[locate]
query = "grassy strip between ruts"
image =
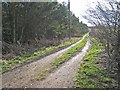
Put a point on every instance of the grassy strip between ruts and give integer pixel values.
(61, 59)
(70, 53)
(7, 64)
(90, 75)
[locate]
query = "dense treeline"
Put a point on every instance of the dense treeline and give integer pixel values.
(37, 24)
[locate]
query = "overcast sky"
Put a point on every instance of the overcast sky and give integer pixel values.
(78, 7)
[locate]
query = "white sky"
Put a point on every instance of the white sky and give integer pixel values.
(78, 7)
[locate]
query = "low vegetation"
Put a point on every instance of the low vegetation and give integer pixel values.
(107, 31)
(7, 64)
(90, 75)
(70, 53)
(61, 59)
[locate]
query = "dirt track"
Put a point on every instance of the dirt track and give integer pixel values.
(64, 76)
(23, 76)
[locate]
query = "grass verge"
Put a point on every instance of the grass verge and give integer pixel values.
(70, 53)
(8, 64)
(61, 59)
(90, 75)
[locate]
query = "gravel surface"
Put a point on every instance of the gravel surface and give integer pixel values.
(23, 76)
(64, 76)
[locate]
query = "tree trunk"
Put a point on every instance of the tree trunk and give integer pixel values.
(14, 27)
